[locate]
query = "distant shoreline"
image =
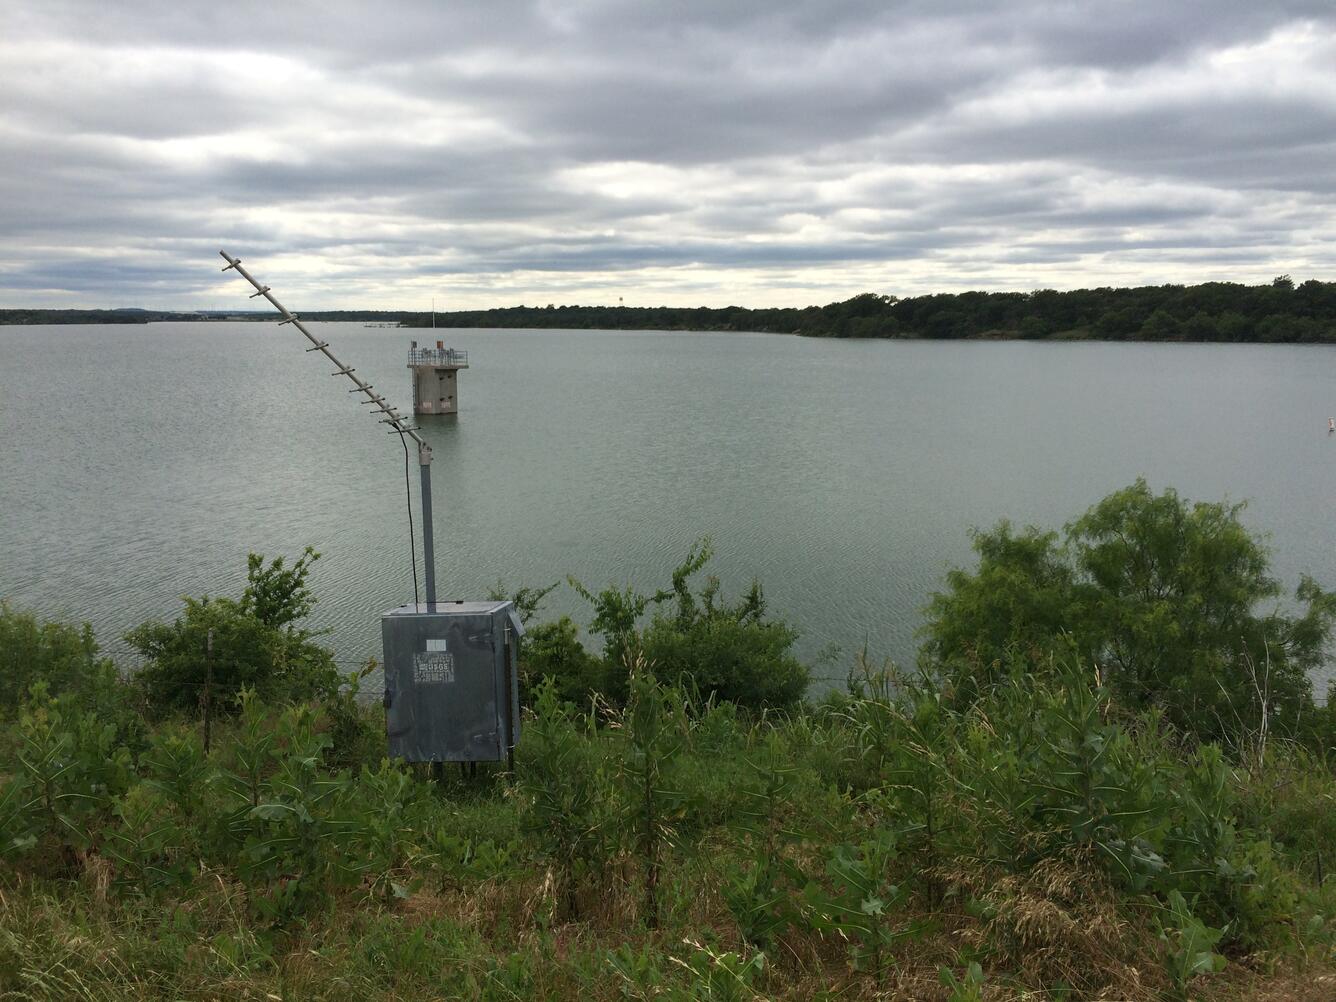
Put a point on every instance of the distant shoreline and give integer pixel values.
(1060, 337)
(1217, 312)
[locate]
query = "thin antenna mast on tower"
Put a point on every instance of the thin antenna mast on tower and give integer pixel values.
(397, 422)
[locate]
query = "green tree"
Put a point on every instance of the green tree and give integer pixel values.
(277, 595)
(1173, 602)
(1160, 326)
(1018, 601)
(1173, 596)
(1032, 328)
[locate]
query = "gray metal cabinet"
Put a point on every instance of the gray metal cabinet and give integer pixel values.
(451, 681)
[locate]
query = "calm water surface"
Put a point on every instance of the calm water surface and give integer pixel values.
(139, 464)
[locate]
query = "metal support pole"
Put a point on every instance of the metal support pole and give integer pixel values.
(428, 551)
(509, 715)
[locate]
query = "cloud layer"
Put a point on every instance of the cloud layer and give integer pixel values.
(692, 153)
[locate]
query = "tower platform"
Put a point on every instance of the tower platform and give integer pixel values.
(435, 386)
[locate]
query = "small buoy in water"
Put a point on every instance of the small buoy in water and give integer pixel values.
(1331, 425)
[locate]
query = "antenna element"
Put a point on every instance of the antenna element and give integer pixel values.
(397, 421)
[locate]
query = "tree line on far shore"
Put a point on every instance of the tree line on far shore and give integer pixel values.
(1281, 311)
(1215, 311)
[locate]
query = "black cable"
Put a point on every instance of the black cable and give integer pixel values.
(412, 539)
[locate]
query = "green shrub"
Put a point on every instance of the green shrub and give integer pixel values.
(150, 846)
(254, 646)
(299, 834)
(1027, 817)
(71, 771)
(553, 651)
(728, 652)
(1166, 597)
(174, 764)
(732, 652)
(760, 892)
(1189, 946)
(963, 989)
(459, 859)
(356, 727)
(16, 821)
(61, 657)
(859, 903)
(384, 809)
(1292, 794)
(717, 730)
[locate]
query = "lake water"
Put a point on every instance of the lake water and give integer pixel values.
(141, 463)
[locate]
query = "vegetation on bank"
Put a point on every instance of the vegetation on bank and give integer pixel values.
(125, 316)
(1214, 311)
(1107, 778)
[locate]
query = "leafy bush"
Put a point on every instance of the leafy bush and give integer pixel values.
(1037, 825)
(1292, 794)
(61, 657)
(760, 892)
(70, 769)
(963, 989)
(255, 646)
(356, 727)
(297, 835)
(174, 764)
(731, 652)
(860, 903)
(1189, 946)
(553, 651)
(458, 859)
(149, 846)
(1163, 596)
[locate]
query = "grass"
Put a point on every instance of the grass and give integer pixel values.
(864, 849)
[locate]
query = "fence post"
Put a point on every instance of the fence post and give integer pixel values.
(208, 688)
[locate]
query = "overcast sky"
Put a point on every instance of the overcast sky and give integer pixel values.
(699, 152)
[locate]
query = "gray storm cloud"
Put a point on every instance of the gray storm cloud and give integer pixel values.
(693, 153)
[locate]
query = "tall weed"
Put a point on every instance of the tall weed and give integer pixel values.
(655, 727)
(71, 768)
(565, 796)
(761, 890)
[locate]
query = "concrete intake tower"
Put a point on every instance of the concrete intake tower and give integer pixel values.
(435, 386)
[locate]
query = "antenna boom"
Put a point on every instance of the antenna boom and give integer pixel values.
(399, 423)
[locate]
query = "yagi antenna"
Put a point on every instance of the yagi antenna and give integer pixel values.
(399, 425)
